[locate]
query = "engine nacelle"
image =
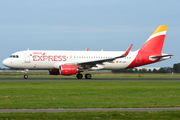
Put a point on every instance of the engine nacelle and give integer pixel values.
(64, 70)
(54, 72)
(68, 69)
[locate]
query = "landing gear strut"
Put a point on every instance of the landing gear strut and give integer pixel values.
(26, 74)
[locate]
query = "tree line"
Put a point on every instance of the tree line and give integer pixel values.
(175, 69)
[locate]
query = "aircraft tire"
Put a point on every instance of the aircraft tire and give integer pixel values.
(79, 76)
(25, 76)
(88, 76)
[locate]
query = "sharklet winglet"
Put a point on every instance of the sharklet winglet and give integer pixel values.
(126, 53)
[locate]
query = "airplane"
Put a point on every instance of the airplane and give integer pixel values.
(76, 62)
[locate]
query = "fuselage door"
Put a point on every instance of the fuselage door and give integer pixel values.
(27, 57)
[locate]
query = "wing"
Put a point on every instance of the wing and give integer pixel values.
(93, 63)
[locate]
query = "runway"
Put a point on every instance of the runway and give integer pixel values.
(87, 110)
(85, 80)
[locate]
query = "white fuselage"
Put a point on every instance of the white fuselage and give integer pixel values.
(44, 59)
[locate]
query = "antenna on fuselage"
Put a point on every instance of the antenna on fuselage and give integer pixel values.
(87, 49)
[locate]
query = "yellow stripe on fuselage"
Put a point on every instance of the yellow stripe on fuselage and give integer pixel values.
(160, 29)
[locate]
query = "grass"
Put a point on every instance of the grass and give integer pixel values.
(89, 94)
(115, 115)
(95, 75)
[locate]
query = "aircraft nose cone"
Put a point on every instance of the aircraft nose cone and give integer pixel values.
(5, 62)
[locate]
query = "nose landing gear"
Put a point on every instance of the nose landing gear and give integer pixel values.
(26, 73)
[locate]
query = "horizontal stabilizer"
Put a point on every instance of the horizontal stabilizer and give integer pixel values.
(162, 56)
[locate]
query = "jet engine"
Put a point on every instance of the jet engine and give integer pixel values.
(64, 70)
(54, 72)
(67, 69)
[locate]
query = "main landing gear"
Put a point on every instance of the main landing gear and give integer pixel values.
(79, 76)
(87, 76)
(26, 74)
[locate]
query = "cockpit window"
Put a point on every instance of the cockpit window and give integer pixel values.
(14, 56)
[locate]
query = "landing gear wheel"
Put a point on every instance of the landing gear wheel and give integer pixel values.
(79, 76)
(88, 76)
(25, 76)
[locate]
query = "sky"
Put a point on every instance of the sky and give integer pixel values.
(111, 25)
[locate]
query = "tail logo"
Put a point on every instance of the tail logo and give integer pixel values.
(150, 52)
